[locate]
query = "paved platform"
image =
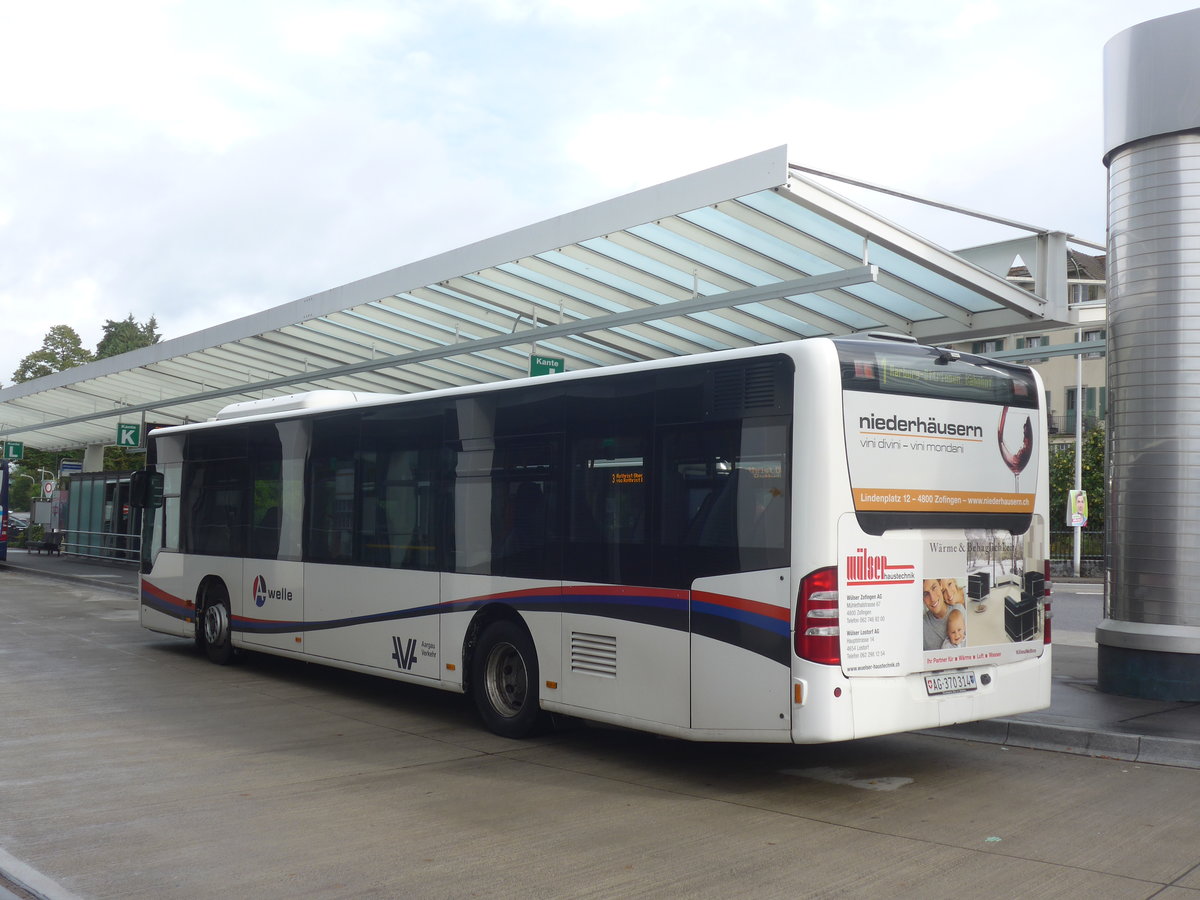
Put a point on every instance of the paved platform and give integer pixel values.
(1081, 719)
(101, 573)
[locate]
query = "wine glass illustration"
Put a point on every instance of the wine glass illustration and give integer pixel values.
(1016, 460)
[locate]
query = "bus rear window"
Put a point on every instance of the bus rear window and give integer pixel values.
(935, 439)
(928, 372)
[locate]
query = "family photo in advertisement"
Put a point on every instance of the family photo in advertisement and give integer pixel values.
(994, 601)
(944, 624)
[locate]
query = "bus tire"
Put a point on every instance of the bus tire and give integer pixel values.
(215, 631)
(504, 682)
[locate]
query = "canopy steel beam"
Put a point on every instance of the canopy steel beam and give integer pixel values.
(860, 275)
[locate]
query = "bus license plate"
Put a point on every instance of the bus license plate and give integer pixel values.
(950, 683)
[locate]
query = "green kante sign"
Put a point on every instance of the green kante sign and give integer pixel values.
(546, 365)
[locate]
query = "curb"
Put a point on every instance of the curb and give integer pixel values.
(24, 877)
(74, 579)
(1160, 751)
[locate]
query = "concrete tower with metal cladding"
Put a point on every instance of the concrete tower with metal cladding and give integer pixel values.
(1149, 642)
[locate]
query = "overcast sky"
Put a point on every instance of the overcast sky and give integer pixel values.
(200, 160)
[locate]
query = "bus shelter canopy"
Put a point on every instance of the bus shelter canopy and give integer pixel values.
(750, 252)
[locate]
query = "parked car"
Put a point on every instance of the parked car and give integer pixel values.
(18, 524)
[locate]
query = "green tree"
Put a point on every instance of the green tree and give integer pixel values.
(61, 349)
(20, 489)
(118, 459)
(1062, 478)
(128, 334)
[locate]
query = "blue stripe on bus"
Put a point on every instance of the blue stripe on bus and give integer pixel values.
(160, 600)
(671, 612)
(721, 618)
(772, 624)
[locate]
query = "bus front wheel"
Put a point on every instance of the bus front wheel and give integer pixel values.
(216, 633)
(504, 681)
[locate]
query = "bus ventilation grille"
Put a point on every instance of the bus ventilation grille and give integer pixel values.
(594, 654)
(743, 388)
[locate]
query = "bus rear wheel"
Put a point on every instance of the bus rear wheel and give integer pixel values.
(215, 631)
(504, 683)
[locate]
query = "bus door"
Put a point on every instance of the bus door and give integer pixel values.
(505, 543)
(371, 588)
(740, 652)
(624, 643)
(740, 622)
(273, 589)
(725, 519)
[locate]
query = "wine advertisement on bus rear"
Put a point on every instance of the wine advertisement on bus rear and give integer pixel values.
(920, 454)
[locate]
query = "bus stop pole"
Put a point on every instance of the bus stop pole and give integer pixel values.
(1078, 447)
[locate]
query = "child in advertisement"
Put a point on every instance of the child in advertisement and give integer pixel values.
(941, 597)
(956, 630)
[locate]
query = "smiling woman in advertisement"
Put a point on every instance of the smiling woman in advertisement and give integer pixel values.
(941, 597)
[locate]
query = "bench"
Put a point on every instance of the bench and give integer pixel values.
(51, 543)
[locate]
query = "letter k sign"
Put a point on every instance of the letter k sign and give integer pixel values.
(129, 434)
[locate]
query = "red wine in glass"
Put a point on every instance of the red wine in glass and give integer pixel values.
(1016, 460)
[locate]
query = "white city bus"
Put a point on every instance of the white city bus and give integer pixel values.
(805, 542)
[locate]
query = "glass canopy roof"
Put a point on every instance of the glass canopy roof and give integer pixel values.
(751, 252)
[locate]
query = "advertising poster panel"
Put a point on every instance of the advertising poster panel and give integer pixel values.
(940, 600)
(918, 454)
(937, 598)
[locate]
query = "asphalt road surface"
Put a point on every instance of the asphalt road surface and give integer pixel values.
(1078, 608)
(131, 767)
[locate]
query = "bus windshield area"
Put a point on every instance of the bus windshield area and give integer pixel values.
(938, 439)
(929, 372)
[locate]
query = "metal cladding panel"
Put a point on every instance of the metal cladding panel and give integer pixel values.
(1154, 382)
(1150, 79)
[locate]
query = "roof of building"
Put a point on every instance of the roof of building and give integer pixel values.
(1080, 267)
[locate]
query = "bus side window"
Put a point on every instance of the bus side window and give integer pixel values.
(397, 508)
(724, 497)
(331, 467)
(397, 527)
(166, 525)
(213, 491)
(525, 508)
(264, 533)
(331, 535)
(608, 537)
(266, 491)
(696, 485)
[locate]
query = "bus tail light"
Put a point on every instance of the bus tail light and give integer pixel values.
(818, 628)
(1046, 615)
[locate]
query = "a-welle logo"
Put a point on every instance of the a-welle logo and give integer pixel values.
(262, 593)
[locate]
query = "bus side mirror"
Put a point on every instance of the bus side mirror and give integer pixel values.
(146, 489)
